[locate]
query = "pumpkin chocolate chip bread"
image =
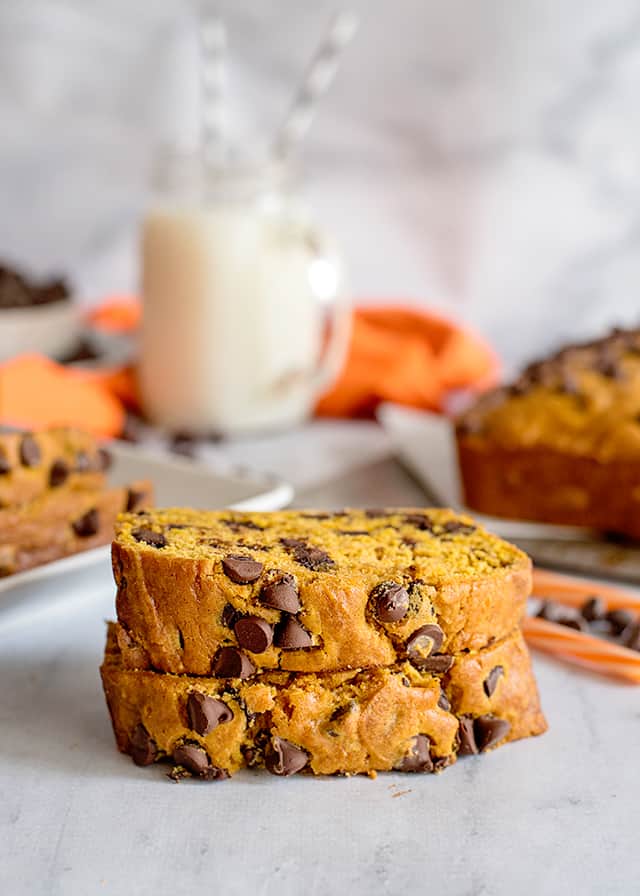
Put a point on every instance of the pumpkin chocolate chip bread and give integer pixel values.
(227, 594)
(562, 443)
(63, 521)
(34, 463)
(360, 721)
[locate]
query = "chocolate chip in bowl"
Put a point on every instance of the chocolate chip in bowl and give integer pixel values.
(35, 315)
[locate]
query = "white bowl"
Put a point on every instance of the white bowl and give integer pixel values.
(51, 329)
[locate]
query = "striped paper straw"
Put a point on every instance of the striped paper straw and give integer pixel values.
(213, 78)
(319, 76)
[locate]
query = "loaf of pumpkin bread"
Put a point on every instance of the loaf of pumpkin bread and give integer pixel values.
(227, 594)
(357, 721)
(562, 443)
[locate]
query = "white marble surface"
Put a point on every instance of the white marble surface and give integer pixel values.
(483, 158)
(547, 816)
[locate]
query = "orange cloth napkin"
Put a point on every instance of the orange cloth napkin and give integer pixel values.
(396, 354)
(408, 356)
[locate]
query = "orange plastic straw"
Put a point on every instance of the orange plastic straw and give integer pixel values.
(582, 649)
(574, 592)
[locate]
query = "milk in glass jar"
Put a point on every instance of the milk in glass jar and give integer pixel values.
(245, 311)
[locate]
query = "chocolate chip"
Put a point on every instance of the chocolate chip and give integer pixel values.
(193, 758)
(630, 636)
(466, 735)
(88, 524)
(290, 635)
(104, 460)
(5, 466)
(561, 615)
(489, 731)
(206, 713)
(491, 681)
(184, 443)
(238, 525)
(29, 452)
(425, 641)
(135, 500)
(443, 702)
(281, 594)
(418, 759)
(593, 608)
(232, 663)
(390, 601)
(148, 536)
(620, 619)
(241, 569)
(308, 555)
(456, 526)
(420, 521)
(230, 615)
(353, 532)
(142, 746)
(284, 758)
(59, 473)
(438, 663)
(253, 633)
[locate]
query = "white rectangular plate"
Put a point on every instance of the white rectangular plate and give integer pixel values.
(178, 483)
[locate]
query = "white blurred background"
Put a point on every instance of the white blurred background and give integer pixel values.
(481, 157)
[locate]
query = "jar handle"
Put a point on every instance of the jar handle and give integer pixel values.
(326, 269)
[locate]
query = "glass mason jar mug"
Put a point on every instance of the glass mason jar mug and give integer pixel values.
(246, 317)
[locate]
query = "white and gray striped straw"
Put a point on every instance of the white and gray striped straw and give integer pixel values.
(319, 76)
(213, 82)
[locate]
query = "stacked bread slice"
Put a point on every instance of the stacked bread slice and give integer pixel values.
(341, 643)
(54, 497)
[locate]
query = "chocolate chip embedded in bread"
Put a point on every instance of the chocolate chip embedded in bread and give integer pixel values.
(196, 760)
(491, 681)
(281, 594)
(59, 473)
(148, 536)
(230, 615)
(489, 731)
(30, 454)
(307, 555)
(467, 737)
(424, 642)
(437, 664)
(291, 635)
(284, 758)
(390, 601)
(253, 633)
(206, 713)
(242, 569)
(230, 662)
(421, 521)
(418, 759)
(88, 524)
(5, 466)
(142, 746)
(443, 702)
(458, 527)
